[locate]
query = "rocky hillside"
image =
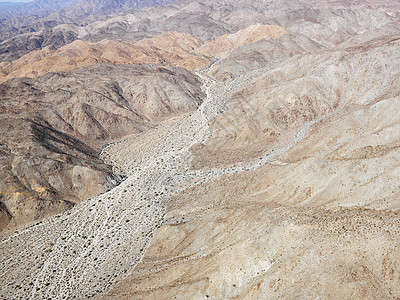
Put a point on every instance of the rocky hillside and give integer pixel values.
(328, 25)
(53, 127)
(258, 142)
(252, 48)
(297, 188)
(29, 26)
(44, 14)
(168, 49)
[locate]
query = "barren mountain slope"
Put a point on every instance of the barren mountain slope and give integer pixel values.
(255, 47)
(314, 210)
(250, 250)
(326, 23)
(53, 126)
(271, 174)
(30, 26)
(299, 91)
(43, 14)
(15, 47)
(226, 43)
(35, 7)
(168, 49)
(208, 20)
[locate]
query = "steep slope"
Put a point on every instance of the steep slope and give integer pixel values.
(168, 49)
(20, 45)
(52, 129)
(299, 91)
(222, 46)
(255, 47)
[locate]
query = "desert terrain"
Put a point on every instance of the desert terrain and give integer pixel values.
(200, 150)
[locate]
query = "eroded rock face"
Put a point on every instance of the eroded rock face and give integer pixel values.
(53, 128)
